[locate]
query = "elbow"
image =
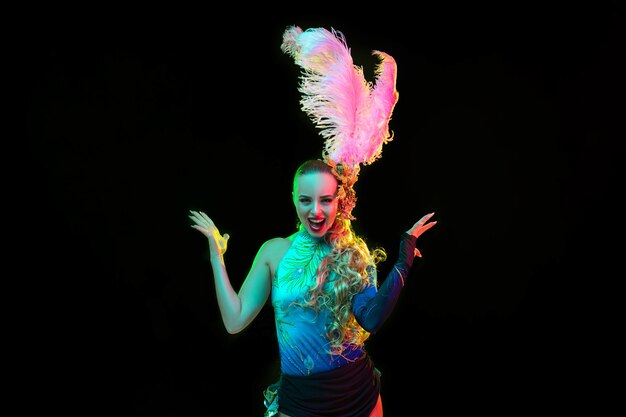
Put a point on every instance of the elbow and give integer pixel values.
(371, 328)
(369, 320)
(232, 329)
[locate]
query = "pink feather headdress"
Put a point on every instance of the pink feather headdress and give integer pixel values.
(352, 113)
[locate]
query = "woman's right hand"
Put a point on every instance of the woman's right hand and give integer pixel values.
(204, 224)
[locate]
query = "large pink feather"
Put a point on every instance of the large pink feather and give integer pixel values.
(352, 113)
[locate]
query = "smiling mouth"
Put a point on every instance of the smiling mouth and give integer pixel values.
(316, 225)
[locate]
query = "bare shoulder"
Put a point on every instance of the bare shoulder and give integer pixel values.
(273, 250)
(277, 246)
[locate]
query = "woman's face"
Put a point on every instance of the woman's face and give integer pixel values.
(315, 198)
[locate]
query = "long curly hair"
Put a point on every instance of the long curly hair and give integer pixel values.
(348, 265)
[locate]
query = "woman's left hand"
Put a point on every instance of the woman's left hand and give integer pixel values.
(420, 227)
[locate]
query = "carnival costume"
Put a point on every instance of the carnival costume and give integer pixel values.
(353, 116)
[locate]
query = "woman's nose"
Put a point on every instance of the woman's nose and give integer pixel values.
(317, 207)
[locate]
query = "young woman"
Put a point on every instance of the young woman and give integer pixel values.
(324, 291)
(322, 279)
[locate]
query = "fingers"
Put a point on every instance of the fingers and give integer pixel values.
(199, 215)
(205, 225)
(201, 219)
(421, 225)
(428, 226)
(195, 216)
(206, 218)
(425, 218)
(201, 224)
(417, 253)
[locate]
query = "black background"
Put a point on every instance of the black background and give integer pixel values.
(509, 126)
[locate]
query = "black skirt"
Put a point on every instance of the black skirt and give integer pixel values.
(348, 391)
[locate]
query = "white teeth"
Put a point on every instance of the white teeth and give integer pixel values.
(316, 221)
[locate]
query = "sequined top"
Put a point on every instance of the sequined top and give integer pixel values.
(301, 331)
(303, 344)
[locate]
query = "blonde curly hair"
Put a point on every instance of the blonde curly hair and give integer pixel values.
(349, 264)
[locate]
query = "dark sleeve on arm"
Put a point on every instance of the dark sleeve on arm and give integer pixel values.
(372, 307)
